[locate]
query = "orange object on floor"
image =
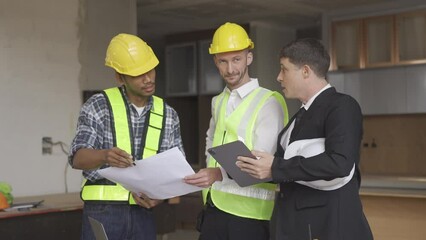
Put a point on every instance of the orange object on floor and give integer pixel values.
(3, 202)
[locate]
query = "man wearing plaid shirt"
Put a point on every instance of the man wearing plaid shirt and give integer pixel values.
(117, 127)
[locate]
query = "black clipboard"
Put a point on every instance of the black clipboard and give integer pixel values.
(226, 155)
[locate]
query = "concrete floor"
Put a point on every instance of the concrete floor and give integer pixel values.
(180, 234)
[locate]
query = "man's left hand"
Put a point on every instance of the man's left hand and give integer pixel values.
(204, 178)
(144, 201)
(259, 168)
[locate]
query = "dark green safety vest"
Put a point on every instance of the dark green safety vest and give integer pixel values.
(121, 124)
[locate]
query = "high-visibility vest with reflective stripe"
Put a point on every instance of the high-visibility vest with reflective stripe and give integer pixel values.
(123, 139)
(257, 201)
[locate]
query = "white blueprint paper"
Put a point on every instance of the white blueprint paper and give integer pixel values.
(159, 176)
(312, 147)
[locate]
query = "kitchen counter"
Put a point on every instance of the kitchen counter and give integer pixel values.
(393, 192)
(395, 207)
(393, 186)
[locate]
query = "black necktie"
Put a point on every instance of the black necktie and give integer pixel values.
(296, 127)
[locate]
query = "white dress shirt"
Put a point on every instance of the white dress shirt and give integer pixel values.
(285, 139)
(269, 123)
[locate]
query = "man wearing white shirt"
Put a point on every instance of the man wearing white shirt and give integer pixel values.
(247, 112)
(319, 192)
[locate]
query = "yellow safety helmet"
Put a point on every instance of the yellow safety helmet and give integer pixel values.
(130, 55)
(230, 37)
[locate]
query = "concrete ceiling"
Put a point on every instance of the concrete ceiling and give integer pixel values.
(157, 18)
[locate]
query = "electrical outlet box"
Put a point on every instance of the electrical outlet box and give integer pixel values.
(46, 145)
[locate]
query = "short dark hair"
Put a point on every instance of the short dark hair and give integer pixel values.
(307, 51)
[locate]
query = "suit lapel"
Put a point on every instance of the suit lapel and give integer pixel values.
(314, 110)
(318, 103)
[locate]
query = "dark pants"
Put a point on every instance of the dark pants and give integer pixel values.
(121, 221)
(219, 225)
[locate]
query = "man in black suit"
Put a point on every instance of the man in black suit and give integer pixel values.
(317, 161)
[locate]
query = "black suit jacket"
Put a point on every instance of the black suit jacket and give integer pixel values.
(304, 213)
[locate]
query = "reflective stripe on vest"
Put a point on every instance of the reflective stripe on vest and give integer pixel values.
(123, 138)
(255, 201)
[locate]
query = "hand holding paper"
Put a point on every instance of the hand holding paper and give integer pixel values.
(158, 177)
(205, 177)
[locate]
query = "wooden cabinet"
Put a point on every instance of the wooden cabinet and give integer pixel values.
(395, 215)
(396, 39)
(411, 37)
(379, 41)
(346, 51)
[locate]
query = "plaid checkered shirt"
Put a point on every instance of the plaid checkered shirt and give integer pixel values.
(94, 129)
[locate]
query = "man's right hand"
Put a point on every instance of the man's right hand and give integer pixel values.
(87, 158)
(116, 157)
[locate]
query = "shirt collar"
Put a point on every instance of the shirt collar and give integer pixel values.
(245, 89)
(311, 100)
(149, 105)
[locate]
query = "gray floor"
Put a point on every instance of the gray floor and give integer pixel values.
(180, 234)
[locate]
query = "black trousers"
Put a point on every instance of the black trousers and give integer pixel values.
(219, 225)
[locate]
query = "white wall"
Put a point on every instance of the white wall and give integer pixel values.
(39, 92)
(49, 51)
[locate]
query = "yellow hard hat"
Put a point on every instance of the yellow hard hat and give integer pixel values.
(130, 55)
(230, 37)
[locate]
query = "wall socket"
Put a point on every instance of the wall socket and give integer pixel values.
(46, 145)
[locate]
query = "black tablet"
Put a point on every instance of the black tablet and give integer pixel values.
(226, 155)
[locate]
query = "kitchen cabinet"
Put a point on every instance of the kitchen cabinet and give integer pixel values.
(379, 41)
(382, 92)
(395, 214)
(398, 90)
(346, 48)
(411, 38)
(416, 89)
